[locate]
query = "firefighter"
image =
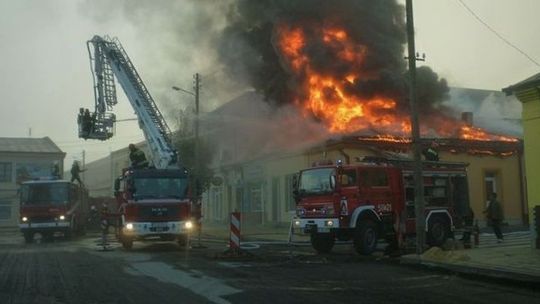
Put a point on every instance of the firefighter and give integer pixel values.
(137, 157)
(87, 123)
(431, 153)
(494, 215)
(75, 171)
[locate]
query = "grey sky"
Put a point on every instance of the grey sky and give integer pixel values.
(45, 75)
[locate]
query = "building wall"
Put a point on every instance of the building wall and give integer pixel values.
(100, 174)
(98, 177)
(16, 167)
(531, 126)
(504, 173)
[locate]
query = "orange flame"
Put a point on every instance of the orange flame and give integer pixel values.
(326, 96)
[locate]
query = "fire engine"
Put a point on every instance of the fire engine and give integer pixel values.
(49, 206)
(374, 199)
(153, 203)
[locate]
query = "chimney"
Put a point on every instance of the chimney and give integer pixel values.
(467, 118)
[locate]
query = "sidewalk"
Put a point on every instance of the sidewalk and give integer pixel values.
(519, 263)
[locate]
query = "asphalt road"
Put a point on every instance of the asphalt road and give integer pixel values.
(77, 272)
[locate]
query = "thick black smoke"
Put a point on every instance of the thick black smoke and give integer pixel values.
(248, 47)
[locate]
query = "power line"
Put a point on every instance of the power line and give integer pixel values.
(496, 33)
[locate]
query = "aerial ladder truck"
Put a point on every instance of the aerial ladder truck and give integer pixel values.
(154, 203)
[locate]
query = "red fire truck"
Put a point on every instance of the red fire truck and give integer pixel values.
(51, 206)
(154, 199)
(154, 205)
(374, 199)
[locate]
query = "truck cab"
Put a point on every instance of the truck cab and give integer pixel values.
(154, 204)
(52, 206)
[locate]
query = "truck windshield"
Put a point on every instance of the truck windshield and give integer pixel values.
(44, 194)
(317, 181)
(159, 187)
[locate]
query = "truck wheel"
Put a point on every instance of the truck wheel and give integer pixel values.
(28, 237)
(127, 244)
(322, 242)
(183, 241)
(365, 237)
(438, 231)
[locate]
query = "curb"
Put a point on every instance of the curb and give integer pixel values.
(497, 273)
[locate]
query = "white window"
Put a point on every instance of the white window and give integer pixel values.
(217, 203)
(5, 209)
(5, 172)
(256, 200)
(490, 182)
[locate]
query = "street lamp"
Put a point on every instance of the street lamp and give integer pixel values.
(182, 90)
(196, 87)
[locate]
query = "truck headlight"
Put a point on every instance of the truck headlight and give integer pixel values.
(329, 223)
(188, 225)
(61, 217)
(129, 226)
(297, 223)
(24, 219)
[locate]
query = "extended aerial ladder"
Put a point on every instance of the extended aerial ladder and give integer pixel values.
(109, 60)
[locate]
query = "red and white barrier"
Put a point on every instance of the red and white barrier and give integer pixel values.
(234, 242)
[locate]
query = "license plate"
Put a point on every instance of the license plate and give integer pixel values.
(310, 228)
(159, 225)
(40, 225)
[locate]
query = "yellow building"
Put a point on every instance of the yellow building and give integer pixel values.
(528, 92)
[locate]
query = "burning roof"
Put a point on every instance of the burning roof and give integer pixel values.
(451, 145)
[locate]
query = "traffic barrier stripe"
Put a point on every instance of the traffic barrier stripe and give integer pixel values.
(234, 242)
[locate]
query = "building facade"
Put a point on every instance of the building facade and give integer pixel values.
(528, 92)
(262, 188)
(22, 159)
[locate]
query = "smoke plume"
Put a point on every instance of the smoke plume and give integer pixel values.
(376, 29)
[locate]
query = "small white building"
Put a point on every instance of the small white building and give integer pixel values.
(23, 159)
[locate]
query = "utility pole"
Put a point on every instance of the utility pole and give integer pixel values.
(415, 128)
(83, 164)
(196, 88)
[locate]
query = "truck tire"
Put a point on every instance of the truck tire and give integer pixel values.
(365, 237)
(28, 237)
(322, 242)
(68, 234)
(438, 231)
(127, 244)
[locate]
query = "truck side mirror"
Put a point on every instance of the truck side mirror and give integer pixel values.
(295, 193)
